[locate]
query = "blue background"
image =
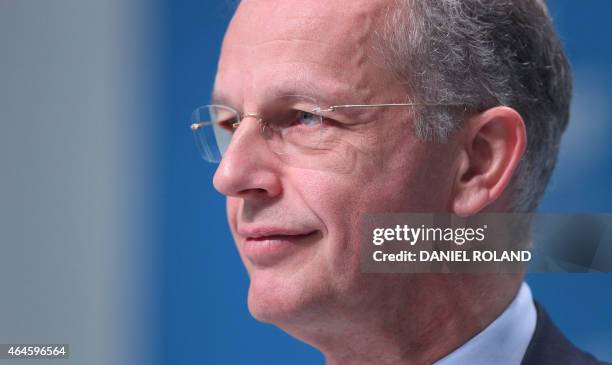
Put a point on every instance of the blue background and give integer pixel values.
(203, 316)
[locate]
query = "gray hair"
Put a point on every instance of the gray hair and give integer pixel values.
(479, 54)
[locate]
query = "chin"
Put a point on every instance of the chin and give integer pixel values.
(284, 299)
(272, 299)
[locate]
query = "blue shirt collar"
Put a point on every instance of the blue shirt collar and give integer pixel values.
(504, 341)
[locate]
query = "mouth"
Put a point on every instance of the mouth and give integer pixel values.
(265, 247)
(279, 237)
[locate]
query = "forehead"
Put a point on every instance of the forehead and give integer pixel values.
(260, 21)
(312, 44)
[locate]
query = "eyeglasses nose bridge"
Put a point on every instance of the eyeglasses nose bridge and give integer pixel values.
(247, 115)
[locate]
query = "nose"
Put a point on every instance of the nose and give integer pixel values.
(248, 168)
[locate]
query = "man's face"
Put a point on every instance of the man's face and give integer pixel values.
(297, 228)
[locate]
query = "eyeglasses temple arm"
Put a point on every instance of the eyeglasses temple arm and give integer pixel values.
(335, 107)
(196, 126)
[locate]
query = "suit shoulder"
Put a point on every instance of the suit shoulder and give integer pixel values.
(549, 346)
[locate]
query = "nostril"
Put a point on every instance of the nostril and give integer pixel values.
(254, 191)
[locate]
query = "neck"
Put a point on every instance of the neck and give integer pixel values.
(411, 326)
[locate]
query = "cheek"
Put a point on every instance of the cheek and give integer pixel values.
(418, 183)
(232, 208)
(339, 201)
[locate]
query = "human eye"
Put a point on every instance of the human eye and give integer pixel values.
(292, 119)
(292, 114)
(227, 125)
(224, 117)
(307, 119)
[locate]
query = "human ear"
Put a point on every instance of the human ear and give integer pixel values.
(493, 144)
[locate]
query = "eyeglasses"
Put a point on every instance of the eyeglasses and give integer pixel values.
(292, 127)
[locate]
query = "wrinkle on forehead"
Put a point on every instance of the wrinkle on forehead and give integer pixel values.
(259, 21)
(328, 42)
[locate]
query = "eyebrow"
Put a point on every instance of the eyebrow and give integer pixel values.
(322, 99)
(296, 86)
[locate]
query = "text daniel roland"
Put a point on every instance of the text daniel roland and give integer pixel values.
(454, 256)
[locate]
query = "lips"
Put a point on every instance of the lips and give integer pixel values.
(265, 231)
(265, 246)
(278, 237)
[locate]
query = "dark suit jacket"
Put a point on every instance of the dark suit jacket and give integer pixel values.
(550, 347)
